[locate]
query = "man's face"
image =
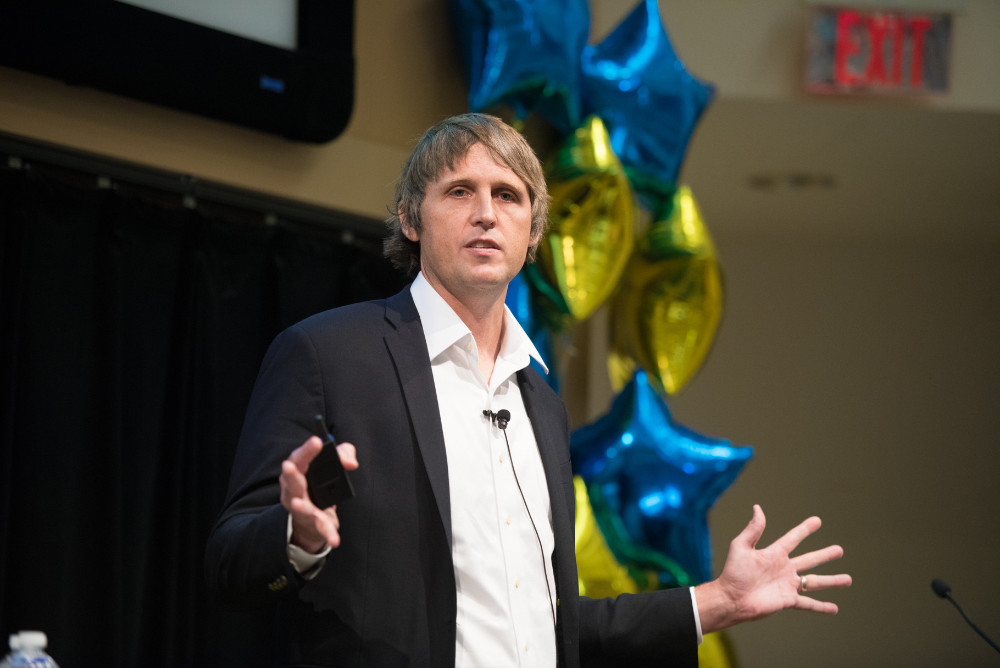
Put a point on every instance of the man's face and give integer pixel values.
(475, 228)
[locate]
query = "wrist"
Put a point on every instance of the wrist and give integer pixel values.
(716, 609)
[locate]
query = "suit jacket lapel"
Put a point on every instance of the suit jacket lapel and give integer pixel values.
(408, 349)
(548, 421)
(552, 443)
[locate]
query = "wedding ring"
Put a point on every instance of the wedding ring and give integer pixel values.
(804, 586)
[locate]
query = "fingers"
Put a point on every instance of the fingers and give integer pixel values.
(810, 560)
(313, 528)
(303, 455)
(820, 582)
(293, 482)
(308, 528)
(795, 536)
(790, 541)
(813, 583)
(294, 468)
(812, 605)
(348, 456)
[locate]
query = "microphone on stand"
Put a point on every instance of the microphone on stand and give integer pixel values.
(942, 589)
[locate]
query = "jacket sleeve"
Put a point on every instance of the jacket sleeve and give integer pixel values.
(655, 629)
(246, 557)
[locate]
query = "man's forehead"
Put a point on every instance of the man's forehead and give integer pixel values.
(459, 166)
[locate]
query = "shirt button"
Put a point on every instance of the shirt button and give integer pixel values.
(468, 346)
(501, 459)
(526, 647)
(517, 585)
(508, 521)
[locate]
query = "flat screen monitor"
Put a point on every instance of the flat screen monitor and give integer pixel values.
(281, 66)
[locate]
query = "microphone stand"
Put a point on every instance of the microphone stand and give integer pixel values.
(944, 591)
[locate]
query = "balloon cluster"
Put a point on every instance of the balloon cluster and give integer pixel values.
(624, 111)
(623, 233)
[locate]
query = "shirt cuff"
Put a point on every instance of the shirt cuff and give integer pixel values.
(697, 617)
(309, 565)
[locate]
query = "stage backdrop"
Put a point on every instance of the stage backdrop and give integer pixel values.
(131, 330)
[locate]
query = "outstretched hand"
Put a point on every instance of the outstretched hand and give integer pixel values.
(757, 583)
(313, 528)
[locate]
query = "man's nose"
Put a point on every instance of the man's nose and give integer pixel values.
(484, 213)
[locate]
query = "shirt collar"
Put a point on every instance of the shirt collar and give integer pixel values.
(443, 328)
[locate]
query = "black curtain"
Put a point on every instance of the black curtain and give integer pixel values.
(132, 330)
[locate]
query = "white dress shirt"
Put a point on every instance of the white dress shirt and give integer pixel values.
(503, 568)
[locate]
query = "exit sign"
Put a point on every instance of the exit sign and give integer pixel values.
(863, 50)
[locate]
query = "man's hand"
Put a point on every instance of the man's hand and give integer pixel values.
(757, 583)
(312, 528)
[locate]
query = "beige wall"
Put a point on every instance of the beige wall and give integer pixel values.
(862, 366)
(867, 377)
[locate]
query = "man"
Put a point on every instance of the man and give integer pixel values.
(457, 548)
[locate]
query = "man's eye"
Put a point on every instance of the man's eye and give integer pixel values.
(508, 197)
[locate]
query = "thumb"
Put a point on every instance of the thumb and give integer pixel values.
(754, 529)
(348, 455)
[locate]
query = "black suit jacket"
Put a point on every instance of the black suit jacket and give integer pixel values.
(386, 596)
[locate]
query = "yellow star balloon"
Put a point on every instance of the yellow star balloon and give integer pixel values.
(665, 316)
(591, 220)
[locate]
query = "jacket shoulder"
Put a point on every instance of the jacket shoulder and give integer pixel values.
(361, 318)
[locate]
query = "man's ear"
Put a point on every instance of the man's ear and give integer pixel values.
(407, 229)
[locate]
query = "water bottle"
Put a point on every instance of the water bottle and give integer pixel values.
(27, 650)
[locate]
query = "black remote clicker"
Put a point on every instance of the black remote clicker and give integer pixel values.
(327, 479)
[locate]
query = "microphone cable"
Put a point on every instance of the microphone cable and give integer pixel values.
(501, 418)
(942, 589)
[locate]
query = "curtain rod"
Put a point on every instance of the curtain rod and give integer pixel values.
(22, 152)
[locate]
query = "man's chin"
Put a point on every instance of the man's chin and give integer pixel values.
(493, 278)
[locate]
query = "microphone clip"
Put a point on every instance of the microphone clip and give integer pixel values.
(500, 418)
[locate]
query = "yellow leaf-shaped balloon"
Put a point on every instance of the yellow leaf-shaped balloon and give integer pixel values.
(716, 651)
(591, 220)
(598, 571)
(666, 314)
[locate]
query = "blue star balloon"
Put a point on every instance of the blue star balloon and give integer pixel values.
(648, 100)
(524, 53)
(519, 301)
(659, 477)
